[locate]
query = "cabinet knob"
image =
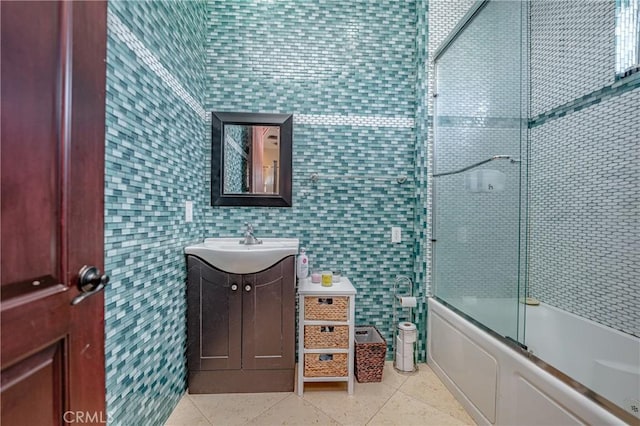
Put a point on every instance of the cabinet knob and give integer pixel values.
(234, 287)
(247, 287)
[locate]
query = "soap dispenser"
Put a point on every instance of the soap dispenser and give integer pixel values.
(302, 266)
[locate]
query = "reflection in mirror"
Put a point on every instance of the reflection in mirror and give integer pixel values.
(251, 158)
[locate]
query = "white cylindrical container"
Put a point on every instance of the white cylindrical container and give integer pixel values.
(407, 336)
(302, 265)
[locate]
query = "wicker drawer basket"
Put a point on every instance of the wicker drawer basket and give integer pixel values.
(326, 336)
(326, 308)
(326, 365)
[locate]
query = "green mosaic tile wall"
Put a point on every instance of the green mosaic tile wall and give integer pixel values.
(324, 57)
(174, 32)
(421, 225)
(347, 71)
(154, 163)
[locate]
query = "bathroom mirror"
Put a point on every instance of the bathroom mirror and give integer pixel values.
(251, 159)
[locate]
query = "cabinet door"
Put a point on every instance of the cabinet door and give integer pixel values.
(214, 318)
(268, 336)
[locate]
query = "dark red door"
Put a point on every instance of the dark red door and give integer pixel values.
(52, 204)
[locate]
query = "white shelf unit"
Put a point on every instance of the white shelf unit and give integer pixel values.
(344, 288)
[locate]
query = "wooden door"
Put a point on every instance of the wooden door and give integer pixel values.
(52, 208)
(268, 318)
(214, 324)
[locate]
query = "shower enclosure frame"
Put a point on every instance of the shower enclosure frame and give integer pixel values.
(515, 345)
(431, 182)
(471, 14)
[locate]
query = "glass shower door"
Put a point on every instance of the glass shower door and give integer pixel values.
(479, 150)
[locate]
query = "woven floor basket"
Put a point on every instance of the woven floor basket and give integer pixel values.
(326, 308)
(370, 358)
(336, 367)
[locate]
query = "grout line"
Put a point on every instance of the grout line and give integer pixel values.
(198, 408)
(269, 407)
(395, 391)
(319, 408)
(436, 408)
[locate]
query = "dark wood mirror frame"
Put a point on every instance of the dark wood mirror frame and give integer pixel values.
(218, 121)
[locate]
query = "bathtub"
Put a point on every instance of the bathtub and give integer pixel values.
(499, 383)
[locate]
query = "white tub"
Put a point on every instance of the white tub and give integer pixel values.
(499, 385)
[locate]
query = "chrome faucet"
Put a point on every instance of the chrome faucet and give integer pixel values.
(249, 238)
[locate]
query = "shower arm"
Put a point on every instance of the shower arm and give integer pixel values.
(495, 157)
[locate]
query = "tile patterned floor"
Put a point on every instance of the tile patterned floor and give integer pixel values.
(416, 399)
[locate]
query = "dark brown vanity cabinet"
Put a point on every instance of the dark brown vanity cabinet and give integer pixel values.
(241, 328)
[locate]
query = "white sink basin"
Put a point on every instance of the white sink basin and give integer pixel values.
(229, 255)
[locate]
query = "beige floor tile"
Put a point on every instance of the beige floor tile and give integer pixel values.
(403, 399)
(356, 409)
(235, 408)
(391, 377)
(186, 414)
(293, 411)
(403, 410)
(425, 386)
